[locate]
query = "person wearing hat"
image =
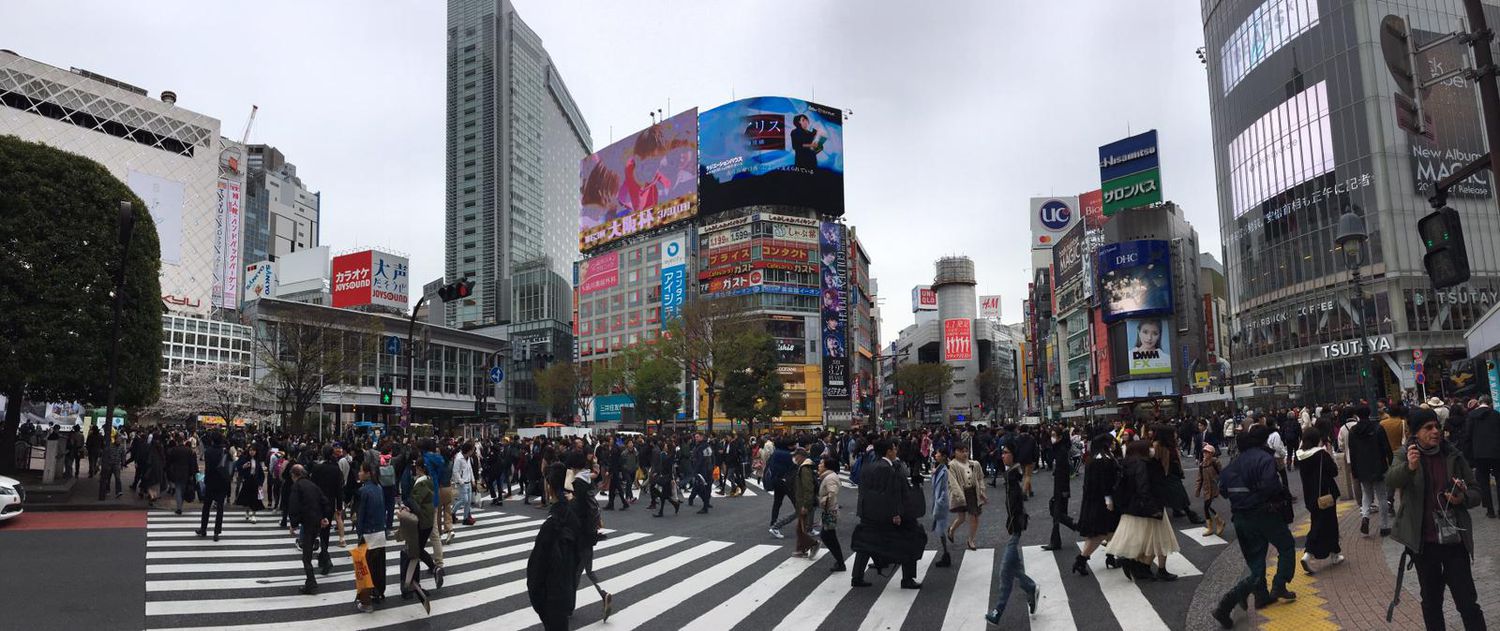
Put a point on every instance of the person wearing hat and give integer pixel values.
(1434, 478)
(1208, 488)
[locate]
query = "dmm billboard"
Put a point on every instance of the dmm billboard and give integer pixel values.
(835, 311)
(771, 150)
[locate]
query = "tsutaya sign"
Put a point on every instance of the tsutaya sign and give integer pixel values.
(1346, 348)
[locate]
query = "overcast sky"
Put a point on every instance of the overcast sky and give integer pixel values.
(961, 111)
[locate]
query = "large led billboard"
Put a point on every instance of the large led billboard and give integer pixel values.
(835, 311)
(1135, 279)
(1269, 27)
(1148, 344)
(1289, 145)
(771, 150)
(645, 181)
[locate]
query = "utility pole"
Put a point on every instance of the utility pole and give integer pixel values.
(1484, 76)
(127, 229)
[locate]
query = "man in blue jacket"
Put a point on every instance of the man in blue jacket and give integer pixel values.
(1256, 496)
(774, 480)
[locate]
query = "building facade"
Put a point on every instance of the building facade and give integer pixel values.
(281, 213)
(1306, 127)
(514, 141)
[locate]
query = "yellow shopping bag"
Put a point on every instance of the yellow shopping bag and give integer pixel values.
(362, 579)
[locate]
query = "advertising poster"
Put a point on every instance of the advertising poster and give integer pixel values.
(958, 339)
(1287, 146)
(230, 261)
(1051, 218)
(989, 307)
(1091, 204)
(923, 298)
(600, 273)
(260, 281)
(1135, 279)
(1067, 256)
(771, 150)
(673, 278)
(607, 407)
(351, 279)
(835, 312)
(390, 278)
(645, 181)
(1273, 24)
(163, 199)
(1130, 173)
(1457, 135)
(1149, 344)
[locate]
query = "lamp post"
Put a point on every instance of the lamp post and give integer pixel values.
(1351, 238)
(127, 228)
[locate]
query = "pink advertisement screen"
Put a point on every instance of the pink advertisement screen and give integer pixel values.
(599, 273)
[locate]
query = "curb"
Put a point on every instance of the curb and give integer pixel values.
(70, 508)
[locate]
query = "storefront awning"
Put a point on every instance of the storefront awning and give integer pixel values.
(1484, 336)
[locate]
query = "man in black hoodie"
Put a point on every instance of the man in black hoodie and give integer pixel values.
(310, 510)
(1369, 457)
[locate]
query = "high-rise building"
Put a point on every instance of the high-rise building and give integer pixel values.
(281, 214)
(1309, 124)
(515, 139)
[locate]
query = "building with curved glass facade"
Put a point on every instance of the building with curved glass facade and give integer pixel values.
(1305, 128)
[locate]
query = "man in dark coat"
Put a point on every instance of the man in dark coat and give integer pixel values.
(1026, 456)
(1484, 442)
(552, 567)
(888, 530)
(309, 509)
(1369, 457)
(329, 479)
(216, 465)
(181, 465)
(703, 458)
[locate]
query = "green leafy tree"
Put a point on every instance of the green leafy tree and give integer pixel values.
(557, 389)
(922, 381)
(709, 340)
(654, 385)
(753, 394)
(59, 250)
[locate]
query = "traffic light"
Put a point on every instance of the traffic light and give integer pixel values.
(456, 291)
(1447, 260)
(385, 395)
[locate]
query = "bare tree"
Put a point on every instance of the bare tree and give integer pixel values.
(305, 355)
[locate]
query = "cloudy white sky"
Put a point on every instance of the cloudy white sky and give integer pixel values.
(962, 109)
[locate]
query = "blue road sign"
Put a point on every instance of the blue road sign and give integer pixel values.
(497, 374)
(392, 345)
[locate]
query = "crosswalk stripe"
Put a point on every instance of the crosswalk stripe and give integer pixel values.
(644, 611)
(971, 592)
(269, 566)
(526, 618)
(1196, 534)
(1052, 607)
(889, 612)
(289, 549)
(166, 538)
(1126, 602)
(242, 605)
(1176, 563)
(758, 593)
(815, 608)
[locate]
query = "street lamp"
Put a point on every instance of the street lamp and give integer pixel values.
(127, 228)
(1351, 238)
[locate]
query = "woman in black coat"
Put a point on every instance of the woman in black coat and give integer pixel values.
(552, 568)
(1319, 478)
(252, 474)
(1097, 518)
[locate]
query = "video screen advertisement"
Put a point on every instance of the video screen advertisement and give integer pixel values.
(645, 181)
(1135, 279)
(835, 311)
(771, 150)
(1148, 344)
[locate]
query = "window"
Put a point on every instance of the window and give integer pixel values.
(653, 315)
(635, 298)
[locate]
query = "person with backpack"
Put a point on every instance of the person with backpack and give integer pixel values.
(218, 471)
(553, 565)
(385, 473)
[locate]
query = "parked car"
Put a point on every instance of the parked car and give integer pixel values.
(12, 496)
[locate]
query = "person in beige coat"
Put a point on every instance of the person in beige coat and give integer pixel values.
(828, 509)
(966, 497)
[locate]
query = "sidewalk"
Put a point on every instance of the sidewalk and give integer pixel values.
(79, 494)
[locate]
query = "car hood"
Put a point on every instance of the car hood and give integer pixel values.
(11, 482)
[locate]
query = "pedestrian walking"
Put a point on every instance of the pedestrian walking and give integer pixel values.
(416, 519)
(182, 465)
(1012, 566)
(774, 478)
(941, 487)
(1320, 491)
(309, 510)
(579, 493)
(1144, 533)
(888, 530)
(369, 526)
(1261, 509)
(1207, 488)
(966, 498)
(703, 457)
(1097, 515)
(1370, 457)
(94, 447)
(1484, 440)
(218, 470)
(553, 565)
(112, 458)
(828, 509)
(463, 480)
(252, 476)
(1061, 451)
(1437, 490)
(805, 500)
(662, 479)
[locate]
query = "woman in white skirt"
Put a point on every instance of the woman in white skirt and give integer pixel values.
(1144, 534)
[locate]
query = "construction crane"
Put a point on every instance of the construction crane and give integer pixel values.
(245, 138)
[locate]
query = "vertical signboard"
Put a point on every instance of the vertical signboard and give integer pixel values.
(673, 278)
(351, 279)
(226, 265)
(1091, 204)
(989, 307)
(260, 281)
(958, 340)
(1130, 173)
(835, 312)
(390, 278)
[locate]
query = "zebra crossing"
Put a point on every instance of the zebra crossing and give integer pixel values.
(249, 580)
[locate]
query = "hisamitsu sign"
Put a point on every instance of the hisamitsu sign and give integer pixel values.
(1130, 173)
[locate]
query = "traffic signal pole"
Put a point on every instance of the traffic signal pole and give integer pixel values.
(1489, 95)
(411, 361)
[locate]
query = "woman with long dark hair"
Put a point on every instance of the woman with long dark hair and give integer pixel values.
(252, 474)
(1319, 481)
(552, 569)
(1170, 487)
(1144, 533)
(1097, 516)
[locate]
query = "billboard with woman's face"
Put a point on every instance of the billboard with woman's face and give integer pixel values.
(645, 181)
(1135, 279)
(1148, 345)
(771, 150)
